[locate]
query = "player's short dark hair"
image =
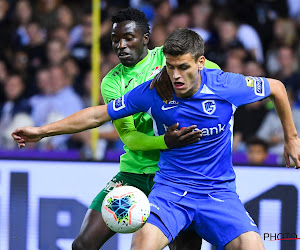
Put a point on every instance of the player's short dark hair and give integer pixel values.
(183, 41)
(131, 14)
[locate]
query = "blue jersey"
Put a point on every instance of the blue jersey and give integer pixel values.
(207, 164)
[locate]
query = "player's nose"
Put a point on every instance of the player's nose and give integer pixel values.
(176, 74)
(122, 44)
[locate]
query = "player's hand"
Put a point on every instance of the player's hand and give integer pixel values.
(292, 149)
(175, 138)
(163, 85)
(26, 134)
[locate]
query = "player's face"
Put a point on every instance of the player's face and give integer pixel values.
(129, 43)
(184, 73)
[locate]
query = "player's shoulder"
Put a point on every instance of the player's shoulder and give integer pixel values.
(114, 73)
(219, 74)
(144, 87)
(156, 52)
(217, 77)
(213, 73)
(142, 93)
(112, 79)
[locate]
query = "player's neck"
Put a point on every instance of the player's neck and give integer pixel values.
(143, 57)
(144, 54)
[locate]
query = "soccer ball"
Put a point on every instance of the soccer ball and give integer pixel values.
(125, 209)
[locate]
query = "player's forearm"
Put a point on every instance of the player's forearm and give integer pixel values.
(82, 120)
(135, 140)
(282, 106)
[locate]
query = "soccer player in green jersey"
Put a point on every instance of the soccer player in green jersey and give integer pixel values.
(130, 37)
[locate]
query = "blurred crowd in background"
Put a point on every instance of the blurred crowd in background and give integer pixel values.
(45, 63)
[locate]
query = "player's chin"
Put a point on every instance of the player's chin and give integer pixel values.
(181, 93)
(180, 90)
(128, 62)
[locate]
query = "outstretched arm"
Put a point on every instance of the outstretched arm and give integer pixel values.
(282, 106)
(82, 120)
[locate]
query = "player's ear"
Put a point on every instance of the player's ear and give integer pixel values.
(201, 62)
(146, 38)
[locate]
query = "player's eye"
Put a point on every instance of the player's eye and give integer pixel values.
(115, 40)
(185, 67)
(169, 66)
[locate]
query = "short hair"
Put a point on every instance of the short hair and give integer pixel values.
(132, 14)
(183, 41)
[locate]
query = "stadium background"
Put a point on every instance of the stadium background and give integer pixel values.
(45, 50)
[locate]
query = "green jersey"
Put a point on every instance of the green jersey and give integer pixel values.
(119, 81)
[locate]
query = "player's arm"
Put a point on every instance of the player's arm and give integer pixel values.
(133, 139)
(82, 120)
(136, 140)
(292, 142)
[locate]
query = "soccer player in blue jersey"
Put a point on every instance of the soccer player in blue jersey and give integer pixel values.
(195, 185)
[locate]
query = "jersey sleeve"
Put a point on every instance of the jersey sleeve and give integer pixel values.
(136, 140)
(238, 89)
(137, 100)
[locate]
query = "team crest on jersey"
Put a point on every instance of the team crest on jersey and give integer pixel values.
(209, 106)
(119, 104)
(155, 71)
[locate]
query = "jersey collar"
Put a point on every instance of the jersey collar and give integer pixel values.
(203, 79)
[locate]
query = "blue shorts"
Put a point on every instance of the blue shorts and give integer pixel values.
(218, 217)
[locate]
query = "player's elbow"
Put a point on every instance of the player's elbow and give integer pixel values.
(276, 87)
(280, 85)
(100, 115)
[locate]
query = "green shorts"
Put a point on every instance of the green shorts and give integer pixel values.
(143, 182)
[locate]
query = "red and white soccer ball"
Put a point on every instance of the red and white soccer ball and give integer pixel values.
(125, 209)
